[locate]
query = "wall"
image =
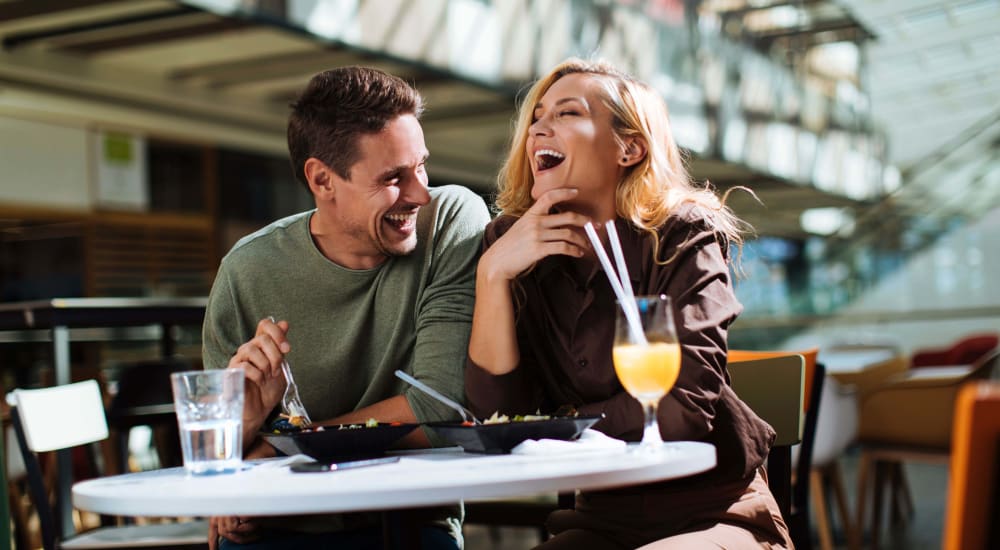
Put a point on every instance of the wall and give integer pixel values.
(44, 164)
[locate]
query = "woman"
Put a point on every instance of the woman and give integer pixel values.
(593, 144)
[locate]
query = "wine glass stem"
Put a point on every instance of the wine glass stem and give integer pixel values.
(651, 433)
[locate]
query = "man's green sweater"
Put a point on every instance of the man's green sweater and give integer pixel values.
(351, 329)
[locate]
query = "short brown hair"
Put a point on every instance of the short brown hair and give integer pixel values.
(337, 107)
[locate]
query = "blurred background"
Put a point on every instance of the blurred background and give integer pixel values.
(139, 139)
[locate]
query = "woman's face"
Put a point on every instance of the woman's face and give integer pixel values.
(571, 144)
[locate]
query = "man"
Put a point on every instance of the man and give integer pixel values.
(379, 277)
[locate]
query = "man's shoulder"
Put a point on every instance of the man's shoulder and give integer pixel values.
(455, 196)
(266, 235)
(457, 211)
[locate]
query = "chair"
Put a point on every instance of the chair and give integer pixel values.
(836, 430)
(527, 512)
(773, 388)
(813, 383)
(908, 418)
(965, 351)
(62, 417)
(974, 484)
(144, 398)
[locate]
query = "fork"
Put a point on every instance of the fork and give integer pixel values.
(466, 413)
(291, 404)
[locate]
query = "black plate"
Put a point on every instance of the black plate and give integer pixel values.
(501, 438)
(333, 444)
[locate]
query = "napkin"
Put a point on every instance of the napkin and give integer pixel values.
(589, 441)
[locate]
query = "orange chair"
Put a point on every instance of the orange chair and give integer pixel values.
(796, 497)
(973, 494)
(809, 355)
(908, 418)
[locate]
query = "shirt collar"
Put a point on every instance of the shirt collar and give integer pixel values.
(631, 238)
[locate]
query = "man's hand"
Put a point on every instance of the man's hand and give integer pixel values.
(537, 234)
(261, 359)
(239, 529)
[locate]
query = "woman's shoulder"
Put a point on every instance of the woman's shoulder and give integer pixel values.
(691, 226)
(688, 217)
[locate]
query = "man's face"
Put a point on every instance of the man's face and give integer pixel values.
(376, 209)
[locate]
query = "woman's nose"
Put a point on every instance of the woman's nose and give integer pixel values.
(540, 127)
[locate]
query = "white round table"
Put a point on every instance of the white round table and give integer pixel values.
(424, 479)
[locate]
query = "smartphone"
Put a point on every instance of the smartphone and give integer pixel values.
(312, 467)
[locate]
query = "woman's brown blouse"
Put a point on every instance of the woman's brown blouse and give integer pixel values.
(565, 329)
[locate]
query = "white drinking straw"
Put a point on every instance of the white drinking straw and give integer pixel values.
(616, 250)
(628, 306)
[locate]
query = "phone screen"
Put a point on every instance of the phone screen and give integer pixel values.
(310, 467)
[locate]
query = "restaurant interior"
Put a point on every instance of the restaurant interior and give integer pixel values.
(140, 139)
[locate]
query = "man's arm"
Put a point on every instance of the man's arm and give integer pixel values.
(444, 314)
(223, 346)
(394, 409)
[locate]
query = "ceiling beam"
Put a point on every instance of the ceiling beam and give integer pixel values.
(158, 37)
(10, 11)
(50, 71)
(17, 40)
(839, 24)
(268, 67)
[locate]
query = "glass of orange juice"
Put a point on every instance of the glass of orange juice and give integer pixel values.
(647, 365)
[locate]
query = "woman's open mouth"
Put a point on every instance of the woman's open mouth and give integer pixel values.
(546, 159)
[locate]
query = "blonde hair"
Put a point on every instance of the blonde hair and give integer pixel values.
(651, 189)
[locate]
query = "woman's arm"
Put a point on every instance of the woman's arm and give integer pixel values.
(704, 306)
(537, 234)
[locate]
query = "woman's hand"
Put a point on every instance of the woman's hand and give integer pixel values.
(239, 529)
(537, 234)
(261, 359)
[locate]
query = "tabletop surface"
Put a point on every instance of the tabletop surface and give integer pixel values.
(848, 361)
(440, 476)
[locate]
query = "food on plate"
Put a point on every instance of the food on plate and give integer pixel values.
(370, 423)
(287, 425)
(497, 418)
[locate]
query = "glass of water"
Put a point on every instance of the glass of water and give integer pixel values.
(209, 408)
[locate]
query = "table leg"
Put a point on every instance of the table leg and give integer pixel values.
(64, 458)
(779, 467)
(167, 340)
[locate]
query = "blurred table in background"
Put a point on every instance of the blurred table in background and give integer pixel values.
(57, 316)
(862, 368)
